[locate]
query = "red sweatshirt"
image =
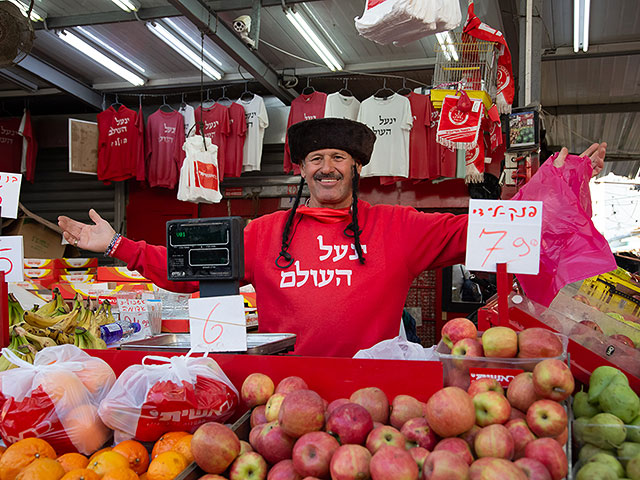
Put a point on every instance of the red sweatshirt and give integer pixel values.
(120, 145)
(164, 139)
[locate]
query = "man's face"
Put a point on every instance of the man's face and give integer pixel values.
(329, 174)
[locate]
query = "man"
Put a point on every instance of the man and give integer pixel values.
(335, 271)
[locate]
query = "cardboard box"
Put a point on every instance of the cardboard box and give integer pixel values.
(62, 263)
(76, 271)
(73, 278)
(39, 240)
(41, 276)
(119, 274)
(38, 263)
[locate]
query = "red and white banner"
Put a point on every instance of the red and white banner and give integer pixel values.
(458, 129)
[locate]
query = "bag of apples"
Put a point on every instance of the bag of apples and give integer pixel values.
(178, 394)
(56, 399)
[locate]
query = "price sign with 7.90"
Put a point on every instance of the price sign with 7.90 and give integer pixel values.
(504, 231)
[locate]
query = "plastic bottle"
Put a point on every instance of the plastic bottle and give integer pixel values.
(114, 332)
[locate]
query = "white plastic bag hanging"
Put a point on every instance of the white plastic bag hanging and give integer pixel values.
(199, 181)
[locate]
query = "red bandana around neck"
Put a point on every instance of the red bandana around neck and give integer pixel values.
(326, 215)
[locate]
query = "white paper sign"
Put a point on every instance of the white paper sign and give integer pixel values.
(134, 310)
(12, 258)
(218, 324)
(10, 193)
(504, 231)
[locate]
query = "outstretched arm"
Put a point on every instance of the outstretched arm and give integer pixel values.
(596, 152)
(95, 238)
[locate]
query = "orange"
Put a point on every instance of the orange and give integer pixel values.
(2, 449)
(107, 461)
(143, 476)
(183, 446)
(81, 474)
(21, 454)
(64, 388)
(96, 375)
(136, 453)
(121, 474)
(72, 461)
(95, 454)
(166, 466)
(166, 443)
(42, 469)
(85, 429)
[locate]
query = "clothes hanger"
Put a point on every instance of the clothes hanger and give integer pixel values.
(183, 104)
(246, 95)
(165, 104)
(208, 100)
(344, 91)
(308, 90)
(224, 100)
(116, 102)
(384, 92)
(404, 90)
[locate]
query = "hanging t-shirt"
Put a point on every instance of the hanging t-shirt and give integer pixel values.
(216, 127)
(120, 145)
(188, 112)
(391, 121)
(341, 106)
(442, 160)
(29, 147)
(257, 121)
(235, 142)
(164, 140)
(10, 145)
(305, 107)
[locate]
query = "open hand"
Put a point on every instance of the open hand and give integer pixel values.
(596, 152)
(95, 238)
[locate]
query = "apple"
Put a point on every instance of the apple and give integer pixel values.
(291, 384)
(563, 437)
(521, 434)
(491, 407)
(351, 423)
(623, 339)
(485, 384)
(248, 466)
(552, 379)
(258, 416)
(403, 408)
(549, 452)
(375, 401)
(283, 470)
(495, 469)
(417, 431)
(456, 377)
(467, 347)
(273, 443)
(335, 404)
(254, 435)
(245, 447)
(582, 299)
(393, 463)
(521, 393)
(350, 462)
(214, 446)
(445, 465)
(470, 436)
(533, 469)
(256, 389)
(272, 408)
(494, 441)
(385, 435)
(546, 418)
(312, 454)
(419, 454)
(456, 329)
(592, 325)
(457, 446)
(211, 476)
(450, 412)
(500, 342)
(302, 411)
(515, 413)
(538, 343)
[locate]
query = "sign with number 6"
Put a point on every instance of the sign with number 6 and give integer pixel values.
(217, 324)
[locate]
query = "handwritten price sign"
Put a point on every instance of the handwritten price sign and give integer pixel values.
(10, 193)
(12, 258)
(217, 324)
(502, 231)
(134, 310)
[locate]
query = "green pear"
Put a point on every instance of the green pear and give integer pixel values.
(633, 468)
(604, 430)
(588, 451)
(582, 407)
(601, 378)
(599, 471)
(620, 400)
(579, 424)
(633, 430)
(609, 460)
(627, 451)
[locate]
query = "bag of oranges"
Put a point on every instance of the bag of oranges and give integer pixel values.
(178, 394)
(55, 399)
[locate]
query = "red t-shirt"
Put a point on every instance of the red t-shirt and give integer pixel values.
(120, 144)
(164, 141)
(235, 142)
(10, 145)
(29, 146)
(217, 127)
(305, 107)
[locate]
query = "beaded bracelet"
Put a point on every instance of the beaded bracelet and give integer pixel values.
(115, 241)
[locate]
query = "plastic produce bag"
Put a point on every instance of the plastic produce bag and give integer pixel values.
(397, 348)
(56, 399)
(572, 249)
(199, 181)
(179, 394)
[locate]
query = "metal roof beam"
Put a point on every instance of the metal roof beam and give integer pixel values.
(586, 109)
(595, 51)
(205, 19)
(62, 81)
(18, 80)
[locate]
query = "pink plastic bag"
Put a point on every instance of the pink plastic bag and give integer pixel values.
(572, 248)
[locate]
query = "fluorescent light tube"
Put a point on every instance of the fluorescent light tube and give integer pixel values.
(443, 45)
(102, 59)
(585, 25)
(127, 5)
(108, 47)
(313, 40)
(167, 37)
(36, 14)
(191, 40)
(576, 26)
(451, 47)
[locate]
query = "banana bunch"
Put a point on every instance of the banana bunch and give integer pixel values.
(15, 310)
(54, 307)
(66, 323)
(58, 336)
(37, 341)
(85, 339)
(103, 314)
(21, 347)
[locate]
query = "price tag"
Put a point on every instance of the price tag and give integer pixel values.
(10, 193)
(504, 231)
(12, 258)
(218, 324)
(134, 310)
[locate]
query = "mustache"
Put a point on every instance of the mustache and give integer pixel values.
(327, 176)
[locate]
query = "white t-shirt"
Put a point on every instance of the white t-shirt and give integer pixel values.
(340, 106)
(257, 120)
(188, 113)
(391, 121)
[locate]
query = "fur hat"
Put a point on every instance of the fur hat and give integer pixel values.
(355, 138)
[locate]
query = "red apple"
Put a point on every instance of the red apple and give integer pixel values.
(312, 453)
(350, 462)
(351, 423)
(500, 342)
(256, 389)
(393, 462)
(582, 299)
(457, 446)
(302, 411)
(450, 412)
(283, 470)
(385, 435)
(494, 441)
(521, 434)
(549, 452)
(245, 447)
(214, 446)
(592, 325)
(456, 377)
(248, 466)
(495, 469)
(521, 393)
(273, 443)
(338, 402)
(254, 435)
(445, 465)
(467, 347)
(546, 418)
(552, 379)
(470, 436)
(485, 384)
(403, 408)
(417, 431)
(375, 401)
(515, 413)
(563, 437)
(419, 454)
(623, 339)
(258, 416)
(456, 329)
(212, 476)
(491, 407)
(533, 469)
(291, 384)
(272, 408)
(538, 343)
